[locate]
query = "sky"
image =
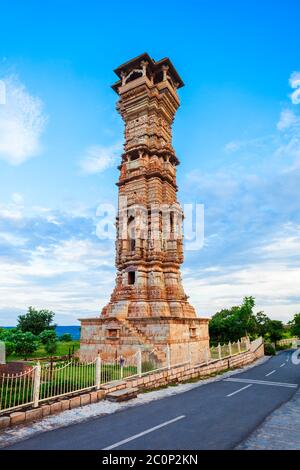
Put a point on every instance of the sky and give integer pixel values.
(237, 135)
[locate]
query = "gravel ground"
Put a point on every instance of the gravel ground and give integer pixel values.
(65, 418)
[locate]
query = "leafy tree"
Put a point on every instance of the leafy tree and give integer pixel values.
(234, 323)
(25, 344)
(262, 324)
(295, 325)
(276, 330)
(47, 336)
(36, 321)
(66, 337)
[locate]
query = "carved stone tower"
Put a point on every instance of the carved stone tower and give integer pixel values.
(148, 307)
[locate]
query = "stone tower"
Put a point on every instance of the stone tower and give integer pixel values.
(148, 307)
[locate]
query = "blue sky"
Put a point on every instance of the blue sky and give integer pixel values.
(237, 135)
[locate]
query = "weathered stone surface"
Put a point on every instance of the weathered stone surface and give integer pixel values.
(94, 397)
(85, 399)
(122, 395)
(101, 394)
(55, 407)
(4, 422)
(34, 414)
(148, 306)
(65, 404)
(17, 418)
(74, 402)
(45, 410)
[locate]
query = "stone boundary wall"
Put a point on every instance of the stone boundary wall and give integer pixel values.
(175, 374)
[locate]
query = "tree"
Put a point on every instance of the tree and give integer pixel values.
(276, 330)
(36, 321)
(262, 324)
(66, 337)
(47, 336)
(295, 325)
(234, 323)
(25, 344)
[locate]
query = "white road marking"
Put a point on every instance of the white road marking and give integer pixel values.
(284, 364)
(270, 373)
(240, 390)
(136, 436)
(262, 382)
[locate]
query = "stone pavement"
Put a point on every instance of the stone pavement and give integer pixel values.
(280, 431)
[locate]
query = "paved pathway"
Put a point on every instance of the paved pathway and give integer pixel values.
(280, 431)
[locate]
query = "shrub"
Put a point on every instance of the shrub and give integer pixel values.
(48, 336)
(9, 348)
(283, 347)
(66, 337)
(269, 349)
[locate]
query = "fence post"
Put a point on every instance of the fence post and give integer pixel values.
(220, 351)
(168, 357)
(98, 372)
(239, 346)
(230, 348)
(36, 385)
(139, 362)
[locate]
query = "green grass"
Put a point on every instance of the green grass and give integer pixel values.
(62, 350)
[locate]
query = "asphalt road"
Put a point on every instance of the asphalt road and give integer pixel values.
(218, 415)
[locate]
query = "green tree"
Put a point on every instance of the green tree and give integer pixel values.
(47, 336)
(25, 343)
(36, 321)
(234, 323)
(295, 325)
(275, 331)
(262, 324)
(66, 337)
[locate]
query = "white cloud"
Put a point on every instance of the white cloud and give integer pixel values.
(99, 158)
(22, 122)
(232, 147)
(17, 198)
(287, 120)
(72, 277)
(295, 83)
(273, 279)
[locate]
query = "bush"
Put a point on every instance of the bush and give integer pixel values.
(25, 344)
(51, 347)
(9, 348)
(269, 349)
(283, 347)
(66, 337)
(48, 336)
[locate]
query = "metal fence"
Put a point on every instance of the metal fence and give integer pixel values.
(231, 349)
(44, 382)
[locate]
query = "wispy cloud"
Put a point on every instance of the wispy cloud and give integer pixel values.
(22, 122)
(98, 158)
(53, 260)
(295, 83)
(288, 119)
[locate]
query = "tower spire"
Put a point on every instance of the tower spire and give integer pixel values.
(149, 245)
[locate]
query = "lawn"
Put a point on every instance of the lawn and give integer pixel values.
(63, 349)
